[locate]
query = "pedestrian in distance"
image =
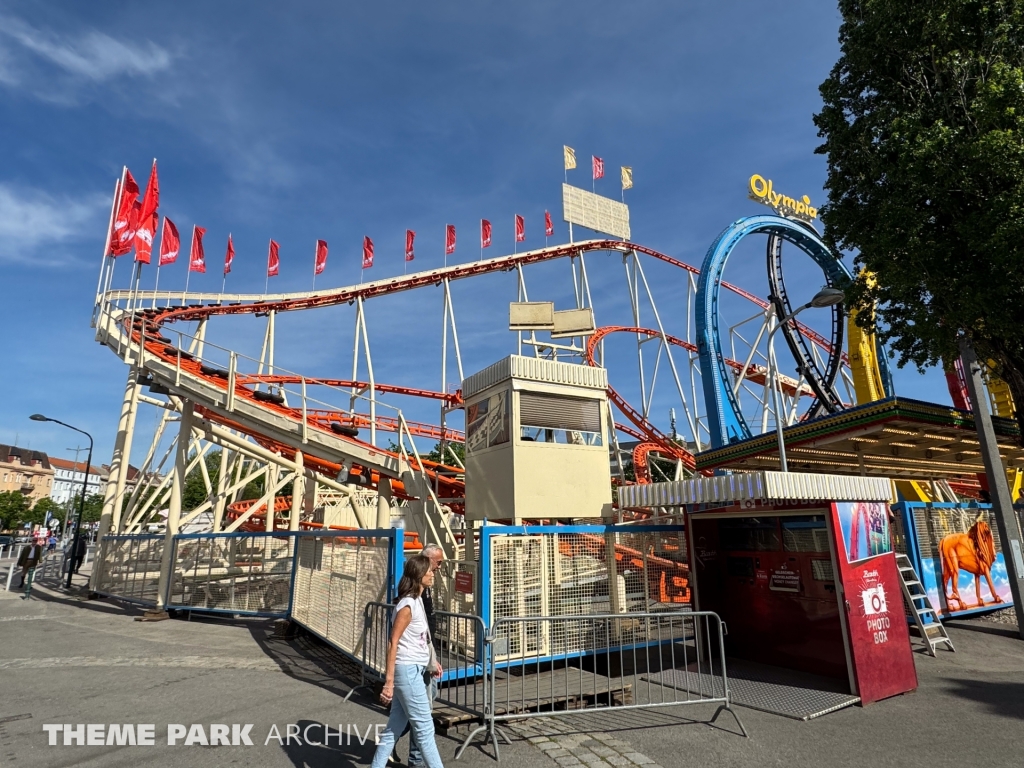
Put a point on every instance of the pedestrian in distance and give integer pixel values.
(51, 543)
(30, 557)
(80, 550)
(411, 665)
(435, 555)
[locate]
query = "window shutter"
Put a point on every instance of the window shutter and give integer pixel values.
(558, 412)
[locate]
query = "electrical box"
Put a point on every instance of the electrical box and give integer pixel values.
(537, 441)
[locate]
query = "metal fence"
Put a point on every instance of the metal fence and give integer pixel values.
(238, 573)
(336, 575)
(460, 642)
(579, 570)
(622, 661)
(127, 567)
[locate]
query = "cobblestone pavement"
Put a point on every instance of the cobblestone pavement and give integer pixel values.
(567, 747)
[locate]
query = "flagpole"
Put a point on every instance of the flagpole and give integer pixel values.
(113, 259)
(136, 276)
(110, 229)
(156, 286)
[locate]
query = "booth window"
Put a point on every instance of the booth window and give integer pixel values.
(750, 534)
(557, 419)
(487, 422)
(806, 533)
(821, 570)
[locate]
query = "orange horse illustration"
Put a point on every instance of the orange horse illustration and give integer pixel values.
(974, 552)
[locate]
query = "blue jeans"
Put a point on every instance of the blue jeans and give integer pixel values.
(415, 754)
(411, 706)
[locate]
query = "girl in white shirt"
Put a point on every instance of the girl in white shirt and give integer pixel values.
(405, 686)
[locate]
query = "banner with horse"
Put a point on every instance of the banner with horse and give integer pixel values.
(958, 554)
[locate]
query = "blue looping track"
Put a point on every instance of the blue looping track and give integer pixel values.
(725, 418)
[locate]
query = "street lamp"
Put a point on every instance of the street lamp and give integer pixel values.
(85, 488)
(826, 297)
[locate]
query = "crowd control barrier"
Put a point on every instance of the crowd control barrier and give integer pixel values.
(622, 661)
(238, 573)
(337, 576)
(127, 567)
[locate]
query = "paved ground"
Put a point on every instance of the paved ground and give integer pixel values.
(67, 660)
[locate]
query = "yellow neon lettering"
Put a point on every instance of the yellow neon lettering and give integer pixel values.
(758, 186)
(763, 191)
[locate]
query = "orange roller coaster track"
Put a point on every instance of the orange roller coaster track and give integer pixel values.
(144, 328)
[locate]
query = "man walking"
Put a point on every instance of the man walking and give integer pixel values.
(30, 556)
(79, 554)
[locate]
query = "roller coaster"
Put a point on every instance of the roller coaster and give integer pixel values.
(687, 340)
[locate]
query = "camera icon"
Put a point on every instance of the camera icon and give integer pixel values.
(874, 600)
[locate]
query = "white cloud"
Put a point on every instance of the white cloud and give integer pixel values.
(33, 224)
(91, 56)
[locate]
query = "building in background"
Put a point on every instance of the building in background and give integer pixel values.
(25, 471)
(68, 477)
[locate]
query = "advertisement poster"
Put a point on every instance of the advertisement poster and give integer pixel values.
(876, 625)
(962, 567)
(864, 526)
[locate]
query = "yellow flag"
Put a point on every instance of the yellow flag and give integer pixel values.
(570, 157)
(627, 177)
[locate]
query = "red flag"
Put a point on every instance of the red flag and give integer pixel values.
(124, 221)
(273, 260)
(598, 167)
(197, 259)
(449, 239)
(144, 238)
(485, 233)
(410, 236)
(520, 228)
(147, 219)
(367, 252)
(170, 243)
(229, 256)
(321, 257)
(549, 228)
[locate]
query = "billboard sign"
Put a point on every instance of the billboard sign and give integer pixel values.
(602, 214)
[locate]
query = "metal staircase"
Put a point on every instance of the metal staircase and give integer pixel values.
(920, 606)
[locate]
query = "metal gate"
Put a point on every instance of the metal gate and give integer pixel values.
(575, 570)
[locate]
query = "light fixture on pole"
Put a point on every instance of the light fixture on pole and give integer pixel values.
(85, 487)
(826, 297)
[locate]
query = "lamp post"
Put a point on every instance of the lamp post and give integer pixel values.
(826, 297)
(85, 488)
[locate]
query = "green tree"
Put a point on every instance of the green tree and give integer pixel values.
(38, 512)
(923, 127)
(93, 509)
(194, 492)
(13, 507)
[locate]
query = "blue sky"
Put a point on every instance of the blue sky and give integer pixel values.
(335, 120)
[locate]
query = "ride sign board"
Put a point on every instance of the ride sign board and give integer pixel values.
(762, 191)
(601, 214)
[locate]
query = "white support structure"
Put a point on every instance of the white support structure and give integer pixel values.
(182, 444)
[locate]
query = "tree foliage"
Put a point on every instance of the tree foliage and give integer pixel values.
(44, 505)
(93, 509)
(13, 509)
(195, 492)
(923, 127)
